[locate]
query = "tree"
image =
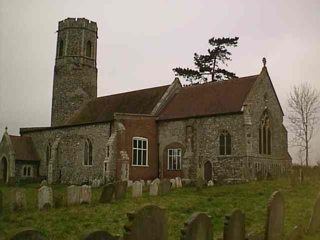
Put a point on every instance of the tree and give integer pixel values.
(209, 65)
(303, 116)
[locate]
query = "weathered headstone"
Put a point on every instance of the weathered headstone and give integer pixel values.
(28, 234)
(121, 190)
(164, 187)
(17, 199)
(178, 182)
(136, 189)
(45, 198)
(143, 183)
(148, 182)
(129, 184)
(99, 235)
(73, 193)
(234, 226)
(107, 193)
(210, 183)
(199, 226)
(275, 217)
(157, 180)
(85, 194)
(95, 183)
(154, 187)
(149, 223)
(173, 183)
(296, 234)
(44, 183)
(314, 225)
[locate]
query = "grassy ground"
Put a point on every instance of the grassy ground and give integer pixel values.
(251, 198)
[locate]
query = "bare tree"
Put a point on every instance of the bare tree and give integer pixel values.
(303, 115)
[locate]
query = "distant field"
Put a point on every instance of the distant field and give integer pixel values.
(251, 198)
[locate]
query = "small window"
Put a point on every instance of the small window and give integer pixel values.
(27, 171)
(174, 159)
(87, 153)
(225, 143)
(140, 151)
(265, 135)
(88, 49)
(61, 48)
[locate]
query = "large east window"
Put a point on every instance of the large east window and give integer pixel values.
(225, 143)
(87, 153)
(265, 135)
(174, 159)
(139, 151)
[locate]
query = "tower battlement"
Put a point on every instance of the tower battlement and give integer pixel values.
(77, 23)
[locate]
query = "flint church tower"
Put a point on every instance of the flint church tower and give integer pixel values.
(75, 72)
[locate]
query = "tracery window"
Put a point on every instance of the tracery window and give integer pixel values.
(225, 143)
(88, 49)
(265, 135)
(87, 153)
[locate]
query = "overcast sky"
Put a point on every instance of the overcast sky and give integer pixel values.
(141, 41)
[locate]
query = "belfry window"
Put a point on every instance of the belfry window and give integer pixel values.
(225, 143)
(61, 48)
(87, 153)
(89, 49)
(265, 135)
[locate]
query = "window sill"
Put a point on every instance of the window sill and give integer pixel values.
(174, 170)
(140, 166)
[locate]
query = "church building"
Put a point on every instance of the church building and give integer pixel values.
(226, 130)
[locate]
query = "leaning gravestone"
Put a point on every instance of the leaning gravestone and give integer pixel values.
(314, 226)
(149, 223)
(107, 193)
(296, 234)
(121, 190)
(1, 203)
(136, 189)
(73, 193)
(45, 198)
(28, 234)
(173, 183)
(199, 226)
(164, 187)
(85, 194)
(17, 199)
(275, 217)
(99, 235)
(154, 189)
(234, 226)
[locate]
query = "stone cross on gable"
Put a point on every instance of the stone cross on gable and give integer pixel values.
(264, 60)
(6, 129)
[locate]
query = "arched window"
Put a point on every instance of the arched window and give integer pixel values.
(265, 135)
(225, 143)
(48, 154)
(88, 49)
(61, 48)
(87, 153)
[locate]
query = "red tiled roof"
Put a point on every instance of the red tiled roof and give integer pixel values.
(24, 148)
(209, 99)
(102, 108)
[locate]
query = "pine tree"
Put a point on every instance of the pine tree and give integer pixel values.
(209, 65)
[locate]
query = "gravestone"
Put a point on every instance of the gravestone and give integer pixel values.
(154, 187)
(178, 182)
(164, 187)
(28, 234)
(99, 235)
(173, 183)
(234, 226)
(107, 193)
(17, 199)
(121, 190)
(136, 189)
(1, 203)
(296, 234)
(314, 225)
(45, 198)
(199, 226)
(95, 183)
(85, 194)
(44, 183)
(275, 217)
(149, 223)
(157, 180)
(73, 193)
(210, 183)
(130, 182)
(148, 182)
(143, 183)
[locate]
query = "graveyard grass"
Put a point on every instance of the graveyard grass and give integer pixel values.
(251, 198)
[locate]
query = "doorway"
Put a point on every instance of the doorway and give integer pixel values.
(208, 171)
(4, 169)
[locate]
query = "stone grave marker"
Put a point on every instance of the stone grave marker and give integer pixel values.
(199, 226)
(45, 198)
(210, 183)
(314, 225)
(178, 182)
(234, 226)
(73, 193)
(296, 234)
(148, 223)
(107, 193)
(44, 183)
(148, 182)
(173, 183)
(130, 182)
(121, 190)
(85, 194)
(1, 203)
(137, 189)
(157, 180)
(28, 234)
(154, 187)
(17, 199)
(275, 217)
(95, 183)
(99, 235)
(164, 187)
(143, 183)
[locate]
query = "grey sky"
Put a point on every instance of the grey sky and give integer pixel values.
(141, 41)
